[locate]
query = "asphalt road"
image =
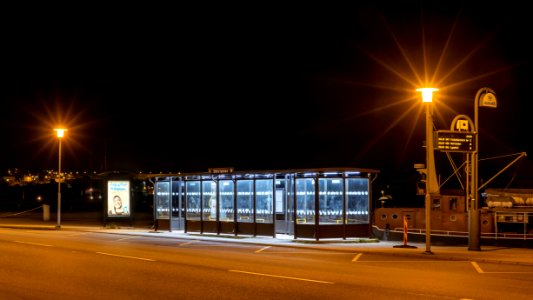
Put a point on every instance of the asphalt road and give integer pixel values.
(49, 264)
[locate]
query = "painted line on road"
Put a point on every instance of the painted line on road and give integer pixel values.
(279, 276)
(127, 238)
(126, 256)
(187, 243)
(78, 233)
(357, 257)
(477, 267)
(264, 248)
(480, 271)
(409, 261)
(215, 244)
(36, 244)
(33, 231)
(307, 252)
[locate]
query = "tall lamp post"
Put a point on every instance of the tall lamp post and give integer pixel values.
(60, 133)
(484, 97)
(432, 186)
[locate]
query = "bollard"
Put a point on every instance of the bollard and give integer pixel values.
(405, 230)
(386, 232)
(404, 235)
(46, 212)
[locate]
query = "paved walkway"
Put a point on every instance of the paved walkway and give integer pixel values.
(504, 255)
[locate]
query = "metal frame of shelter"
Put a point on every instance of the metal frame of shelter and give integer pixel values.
(304, 203)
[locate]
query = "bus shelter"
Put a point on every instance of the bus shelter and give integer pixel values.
(310, 203)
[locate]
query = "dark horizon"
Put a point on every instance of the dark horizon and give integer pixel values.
(268, 88)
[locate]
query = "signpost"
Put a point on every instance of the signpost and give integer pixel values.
(485, 97)
(463, 137)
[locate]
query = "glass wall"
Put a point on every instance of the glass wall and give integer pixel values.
(264, 200)
(178, 207)
(330, 208)
(245, 207)
(289, 188)
(226, 200)
(193, 200)
(357, 201)
(305, 200)
(264, 204)
(162, 200)
(209, 200)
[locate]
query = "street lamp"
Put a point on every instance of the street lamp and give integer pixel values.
(60, 133)
(484, 97)
(432, 186)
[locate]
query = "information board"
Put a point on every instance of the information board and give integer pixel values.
(455, 141)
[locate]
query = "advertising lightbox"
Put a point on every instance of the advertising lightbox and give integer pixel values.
(118, 198)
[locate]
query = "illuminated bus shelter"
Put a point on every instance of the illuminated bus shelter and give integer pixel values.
(310, 203)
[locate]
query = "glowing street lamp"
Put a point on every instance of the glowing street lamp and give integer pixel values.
(60, 133)
(432, 186)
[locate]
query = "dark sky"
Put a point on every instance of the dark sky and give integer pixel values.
(258, 86)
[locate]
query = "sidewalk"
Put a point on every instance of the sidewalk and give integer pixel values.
(493, 254)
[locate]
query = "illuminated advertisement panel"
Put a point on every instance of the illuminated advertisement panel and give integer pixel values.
(118, 198)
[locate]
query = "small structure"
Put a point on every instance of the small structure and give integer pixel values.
(304, 203)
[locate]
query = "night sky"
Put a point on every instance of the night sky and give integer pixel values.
(261, 86)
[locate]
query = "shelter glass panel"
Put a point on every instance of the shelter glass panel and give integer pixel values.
(162, 200)
(357, 201)
(305, 200)
(330, 200)
(226, 200)
(209, 200)
(178, 206)
(290, 198)
(245, 206)
(193, 200)
(264, 200)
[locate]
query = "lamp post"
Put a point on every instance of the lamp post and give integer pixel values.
(60, 133)
(484, 97)
(432, 186)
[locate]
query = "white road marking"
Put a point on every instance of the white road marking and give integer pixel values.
(126, 256)
(264, 248)
(480, 271)
(187, 243)
(78, 233)
(477, 267)
(357, 257)
(409, 261)
(308, 252)
(36, 244)
(127, 238)
(279, 276)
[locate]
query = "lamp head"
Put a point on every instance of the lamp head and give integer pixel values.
(60, 132)
(427, 94)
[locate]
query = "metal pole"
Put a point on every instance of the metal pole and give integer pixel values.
(429, 172)
(432, 187)
(58, 226)
(473, 218)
